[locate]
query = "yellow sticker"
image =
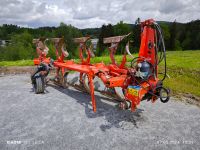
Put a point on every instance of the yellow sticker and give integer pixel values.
(133, 92)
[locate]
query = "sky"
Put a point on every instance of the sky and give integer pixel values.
(94, 13)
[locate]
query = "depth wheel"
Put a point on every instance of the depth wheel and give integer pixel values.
(39, 85)
(164, 95)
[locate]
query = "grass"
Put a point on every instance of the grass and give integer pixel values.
(184, 72)
(16, 63)
(183, 67)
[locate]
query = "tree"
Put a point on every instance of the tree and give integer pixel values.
(19, 48)
(69, 32)
(136, 37)
(121, 28)
(106, 31)
(173, 33)
(166, 34)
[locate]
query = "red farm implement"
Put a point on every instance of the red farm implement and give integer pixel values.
(130, 85)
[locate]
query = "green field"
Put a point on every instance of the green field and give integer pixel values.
(16, 63)
(183, 69)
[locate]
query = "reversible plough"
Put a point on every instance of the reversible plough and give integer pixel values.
(128, 85)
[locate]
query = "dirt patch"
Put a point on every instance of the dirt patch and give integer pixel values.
(191, 99)
(188, 98)
(19, 70)
(16, 70)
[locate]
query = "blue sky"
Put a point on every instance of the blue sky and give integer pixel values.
(94, 13)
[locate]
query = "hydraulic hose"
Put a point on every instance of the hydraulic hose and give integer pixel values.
(163, 52)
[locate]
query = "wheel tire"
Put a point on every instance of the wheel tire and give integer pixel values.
(39, 85)
(65, 81)
(166, 98)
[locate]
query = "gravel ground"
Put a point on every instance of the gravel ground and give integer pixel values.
(63, 119)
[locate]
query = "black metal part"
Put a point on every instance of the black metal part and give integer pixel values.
(38, 77)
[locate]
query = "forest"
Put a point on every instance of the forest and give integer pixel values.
(177, 36)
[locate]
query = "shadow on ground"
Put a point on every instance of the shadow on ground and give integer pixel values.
(112, 114)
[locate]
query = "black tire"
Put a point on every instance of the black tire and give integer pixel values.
(165, 98)
(65, 81)
(39, 85)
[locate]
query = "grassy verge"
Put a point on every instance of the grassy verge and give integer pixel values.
(16, 63)
(183, 68)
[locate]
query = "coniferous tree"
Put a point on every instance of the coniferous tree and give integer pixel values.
(173, 35)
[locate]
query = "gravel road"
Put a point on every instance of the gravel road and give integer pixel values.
(63, 119)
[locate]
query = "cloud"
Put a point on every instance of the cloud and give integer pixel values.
(20, 11)
(171, 6)
(94, 13)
